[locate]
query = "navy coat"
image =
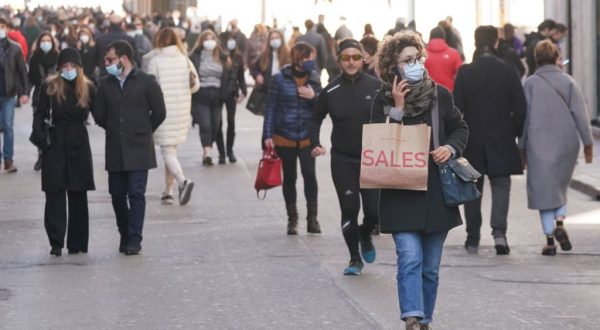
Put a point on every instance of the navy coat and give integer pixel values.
(287, 114)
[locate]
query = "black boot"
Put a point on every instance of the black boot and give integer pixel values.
(230, 155)
(311, 218)
(292, 213)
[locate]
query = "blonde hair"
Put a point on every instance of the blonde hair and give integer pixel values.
(168, 37)
(56, 87)
(546, 52)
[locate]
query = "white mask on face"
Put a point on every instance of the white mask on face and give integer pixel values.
(231, 44)
(275, 43)
(2, 33)
(209, 44)
(66, 31)
(139, 32)
(45, 46)
(84, 38)
(131, 34)
(53, 33)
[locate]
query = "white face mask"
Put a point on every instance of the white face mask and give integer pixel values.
(139, 32)
(275, 43)
(84, 38)
(45, 46)
(2, 33)
(131, 33)
(66, 31)
(209, 44)
(53, 33)
(231, 44)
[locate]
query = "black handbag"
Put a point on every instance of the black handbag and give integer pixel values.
(457, 176)
(46, 136)
(257, 102)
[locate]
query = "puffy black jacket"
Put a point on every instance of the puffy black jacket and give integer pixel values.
(288, 114)
(348, 102)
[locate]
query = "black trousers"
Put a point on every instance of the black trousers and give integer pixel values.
(55, 219)
(346, 179)
(230, 105)
(129, 187)
(498, 220)
(289, 159)
(207, 112)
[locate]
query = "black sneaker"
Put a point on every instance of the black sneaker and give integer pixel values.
(167, 200)
(501, 246)
(221, 160)
(354, 268)
(367, 250)
(207, 161)
(56, 251)
(185, 192)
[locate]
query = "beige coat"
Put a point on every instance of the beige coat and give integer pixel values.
(172, 71)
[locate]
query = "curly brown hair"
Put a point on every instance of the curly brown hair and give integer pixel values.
(387, 56)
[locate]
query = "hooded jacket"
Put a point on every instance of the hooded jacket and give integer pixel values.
(442, 63)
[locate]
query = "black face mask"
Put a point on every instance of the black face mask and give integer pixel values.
(297, 73)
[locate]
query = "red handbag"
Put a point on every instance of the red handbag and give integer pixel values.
(269, 172)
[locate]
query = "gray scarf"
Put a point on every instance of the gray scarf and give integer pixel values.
(420, 97)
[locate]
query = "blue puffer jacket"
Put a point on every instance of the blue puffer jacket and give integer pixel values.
(287, 114)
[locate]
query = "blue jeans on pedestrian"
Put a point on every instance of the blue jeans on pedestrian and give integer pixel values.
(129, 186)
(419, 256)
(548, 217)
(7, 116)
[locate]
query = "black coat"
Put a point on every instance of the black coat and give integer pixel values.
(16, 82)
(41, 65)
(411, 210)
(489, 94)
(129, 116)
(67, 163)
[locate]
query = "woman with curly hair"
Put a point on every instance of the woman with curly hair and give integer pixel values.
(418, 220)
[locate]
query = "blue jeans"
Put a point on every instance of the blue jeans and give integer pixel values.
(548, 217)
(419, 257)
(129, 186)
(7, 117)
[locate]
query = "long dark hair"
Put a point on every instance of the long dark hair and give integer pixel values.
(39, 52)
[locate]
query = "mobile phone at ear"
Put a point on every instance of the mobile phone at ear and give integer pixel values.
(399, 73)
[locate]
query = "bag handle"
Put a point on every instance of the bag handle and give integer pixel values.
(263, 196)
(435, 124)
(555, 89)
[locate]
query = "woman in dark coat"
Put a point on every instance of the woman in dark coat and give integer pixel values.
(275, 56)
(418, 220)
(41, 64)
(291, 102)
(67, 163)
(234, 93)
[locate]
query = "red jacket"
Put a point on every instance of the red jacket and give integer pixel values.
(18, 37)
(442, 63)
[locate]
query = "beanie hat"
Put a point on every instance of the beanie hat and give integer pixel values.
(69, 54)
(349, 43)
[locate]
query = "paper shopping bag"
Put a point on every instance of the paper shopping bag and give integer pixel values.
(395, 156)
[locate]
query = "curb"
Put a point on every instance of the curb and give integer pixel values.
(585, 188)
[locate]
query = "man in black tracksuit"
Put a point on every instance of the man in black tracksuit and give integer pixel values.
(348, 101)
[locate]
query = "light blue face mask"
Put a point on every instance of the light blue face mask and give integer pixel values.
(69, 75)
(114, 70)
(414, 73)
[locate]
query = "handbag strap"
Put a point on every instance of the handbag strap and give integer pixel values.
(555, 89)
(435, 124)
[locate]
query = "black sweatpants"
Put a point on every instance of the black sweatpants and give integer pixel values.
(230, 105)
(346, 178)
(289, 158)
(55, 219)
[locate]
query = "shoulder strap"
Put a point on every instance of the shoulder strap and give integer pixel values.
(555, 89)
(435, 124)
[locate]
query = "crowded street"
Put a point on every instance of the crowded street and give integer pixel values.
(224, 262)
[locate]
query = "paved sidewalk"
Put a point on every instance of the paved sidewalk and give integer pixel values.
(224, 262)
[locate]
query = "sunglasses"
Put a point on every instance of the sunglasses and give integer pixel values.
(346, 57)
